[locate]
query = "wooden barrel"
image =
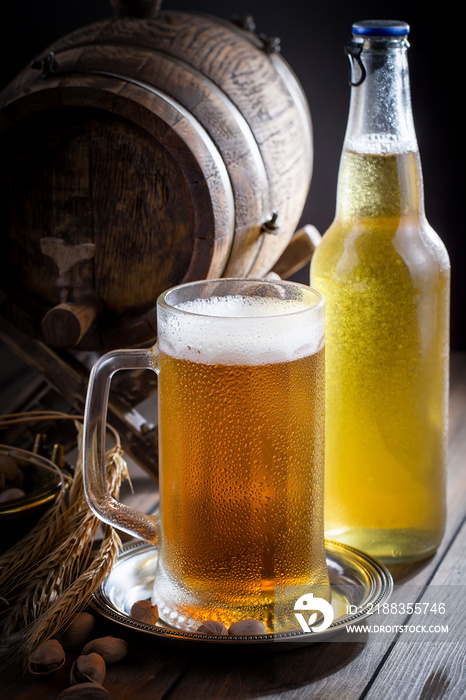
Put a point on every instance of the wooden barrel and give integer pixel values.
(138, 153)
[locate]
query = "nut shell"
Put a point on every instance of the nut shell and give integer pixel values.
(213, 628)
(47, 658)
(88, 668)
(144, 611)
(84, 691)
(111, 649)
(247, 628)
(11, 495)
(80, 628)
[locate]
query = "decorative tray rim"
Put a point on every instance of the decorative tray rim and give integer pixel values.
(379, 586)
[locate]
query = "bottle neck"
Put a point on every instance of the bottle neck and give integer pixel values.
(380, 115)
(380, 173)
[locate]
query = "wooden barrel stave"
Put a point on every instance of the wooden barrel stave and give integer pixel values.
(235, 150)
(262, 88)
(227, 128)
(116, 285)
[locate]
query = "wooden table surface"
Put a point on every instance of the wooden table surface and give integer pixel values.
(391, 665)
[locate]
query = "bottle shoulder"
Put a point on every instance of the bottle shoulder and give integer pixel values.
(350, 246)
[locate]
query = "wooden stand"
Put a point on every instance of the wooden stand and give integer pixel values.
(68, 376)
(67, 372)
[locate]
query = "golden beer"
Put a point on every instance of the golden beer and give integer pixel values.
(241, 440)
(240, 531)
(385, 277)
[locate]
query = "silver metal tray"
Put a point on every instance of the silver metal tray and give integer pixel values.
(359, 584)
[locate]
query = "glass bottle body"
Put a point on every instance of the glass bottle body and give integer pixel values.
(385, 275)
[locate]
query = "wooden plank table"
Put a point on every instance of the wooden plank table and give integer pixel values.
(381, 666)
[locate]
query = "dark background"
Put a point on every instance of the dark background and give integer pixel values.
(312, 39)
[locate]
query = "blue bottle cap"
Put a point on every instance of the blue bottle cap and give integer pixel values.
(380, 27)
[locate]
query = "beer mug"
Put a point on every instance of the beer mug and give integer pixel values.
(239, 530)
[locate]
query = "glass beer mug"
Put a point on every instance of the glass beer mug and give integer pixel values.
(240, 367)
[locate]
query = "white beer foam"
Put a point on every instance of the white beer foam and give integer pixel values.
(380, 145)
(241, 330)
(242, 307)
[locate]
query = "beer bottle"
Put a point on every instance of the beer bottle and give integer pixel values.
(385, 275)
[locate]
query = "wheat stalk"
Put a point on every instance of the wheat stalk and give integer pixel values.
(76, 596)
(25, 556)
(50, 575)
(21, 559)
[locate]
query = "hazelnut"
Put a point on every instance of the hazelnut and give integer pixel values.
(247, 628)
(88, 668)
(79, 629)
(144, 611)
(213, 628)
(84, 691)
(110, 649)
(47, 658)
(11, 495)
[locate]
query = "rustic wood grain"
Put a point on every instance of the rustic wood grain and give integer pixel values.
(96, 191)
(427, 669)
(69, 377)
(339, 669)
(64, 325)
(299, 251)
(167, 142)
(332, 670)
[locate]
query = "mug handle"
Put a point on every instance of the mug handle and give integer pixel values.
(111, 511)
